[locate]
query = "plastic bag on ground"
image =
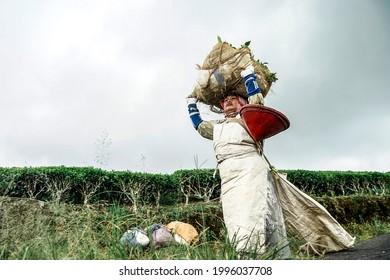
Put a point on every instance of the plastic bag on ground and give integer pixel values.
(159, 234)
(135, 237)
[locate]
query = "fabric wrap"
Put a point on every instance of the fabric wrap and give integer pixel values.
(309, 220)
(251, 211)
(260, 205)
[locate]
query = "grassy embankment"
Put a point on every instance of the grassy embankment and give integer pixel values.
(54, 231)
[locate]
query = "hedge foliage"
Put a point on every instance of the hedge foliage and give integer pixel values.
(340, 183)
(86, 185)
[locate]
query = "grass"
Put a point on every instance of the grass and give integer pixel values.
(31, 230)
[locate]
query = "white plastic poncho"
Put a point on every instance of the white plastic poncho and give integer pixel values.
(251, 210)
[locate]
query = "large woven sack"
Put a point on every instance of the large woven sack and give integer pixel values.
(220, 74)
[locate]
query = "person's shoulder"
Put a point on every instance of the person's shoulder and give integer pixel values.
(213, 122)
(219, 121)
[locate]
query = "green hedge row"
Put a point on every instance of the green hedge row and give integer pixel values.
(340, 183)
(88, 185)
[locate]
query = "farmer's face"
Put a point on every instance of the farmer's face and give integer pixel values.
(230, 104)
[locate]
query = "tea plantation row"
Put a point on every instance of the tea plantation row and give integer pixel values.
(89, 185)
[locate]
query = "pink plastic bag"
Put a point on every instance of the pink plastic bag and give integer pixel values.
(160, 234)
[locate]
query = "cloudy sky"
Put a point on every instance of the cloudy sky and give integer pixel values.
(76, 76)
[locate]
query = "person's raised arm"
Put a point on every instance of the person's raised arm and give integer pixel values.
(194, 112)
(204, 128)
(252, 87)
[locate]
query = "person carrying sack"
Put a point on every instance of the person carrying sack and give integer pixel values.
(258, 202)
(251, 209)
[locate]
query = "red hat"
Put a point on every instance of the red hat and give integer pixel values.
(263, 122)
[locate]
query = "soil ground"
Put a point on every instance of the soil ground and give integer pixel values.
(376, 248)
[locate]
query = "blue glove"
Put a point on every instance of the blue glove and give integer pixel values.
(194, 112)
(250, 81)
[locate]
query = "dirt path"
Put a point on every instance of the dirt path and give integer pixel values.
(376, 248)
